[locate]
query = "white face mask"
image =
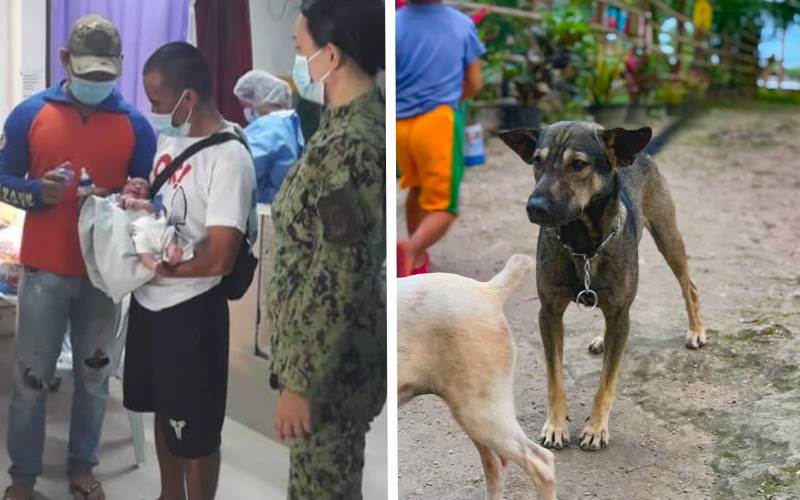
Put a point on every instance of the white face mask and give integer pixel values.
(163, 122)
(306, 86)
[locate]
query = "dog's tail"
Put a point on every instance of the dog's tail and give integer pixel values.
(510, 278)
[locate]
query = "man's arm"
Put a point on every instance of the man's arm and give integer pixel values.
(473, 74)
(144, 150)
(473, 80)
(229, 207)
(216, 256)
(15, 189)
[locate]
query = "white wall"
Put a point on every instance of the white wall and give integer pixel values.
(4, 56)
(23, 51)
(272, 25)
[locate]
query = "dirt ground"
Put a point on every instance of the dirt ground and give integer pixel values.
(722, 422)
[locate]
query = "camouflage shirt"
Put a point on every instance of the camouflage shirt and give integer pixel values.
(326, 301)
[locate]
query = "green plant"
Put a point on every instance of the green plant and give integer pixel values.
(572, 109)
(696, 85)
(671, 94)
(498, 32)
(493, 66)
(565, 26)
(779, 96)
(599, 82)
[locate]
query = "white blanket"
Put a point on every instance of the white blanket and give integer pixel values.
(108, 251)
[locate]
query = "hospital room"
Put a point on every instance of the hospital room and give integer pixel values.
(254, 69)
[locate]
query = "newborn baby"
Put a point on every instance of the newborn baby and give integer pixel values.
(155, 241)
(135, 196)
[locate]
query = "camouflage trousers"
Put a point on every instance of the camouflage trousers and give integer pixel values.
(329, 464)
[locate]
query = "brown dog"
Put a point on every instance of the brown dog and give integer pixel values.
(594, 194)
(453, 340)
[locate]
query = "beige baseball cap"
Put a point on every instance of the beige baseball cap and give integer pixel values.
(95, 46)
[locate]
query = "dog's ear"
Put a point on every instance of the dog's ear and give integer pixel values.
(522, 140)
(623, 145)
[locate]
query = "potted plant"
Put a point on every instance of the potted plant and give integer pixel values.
(642, 75)
(532, 72)
(485, 109)
(600, 84)
(527, 87)
(497, 34)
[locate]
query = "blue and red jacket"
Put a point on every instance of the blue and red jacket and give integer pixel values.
(44, 132)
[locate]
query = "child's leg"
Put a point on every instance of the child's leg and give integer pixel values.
(414, 214)
(174, 253)
(148, 261)
(437, 152)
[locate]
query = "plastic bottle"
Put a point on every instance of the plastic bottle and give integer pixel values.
(85, 184)
(67, 173)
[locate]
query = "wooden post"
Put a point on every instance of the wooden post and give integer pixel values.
(681, 32)
(781, 74)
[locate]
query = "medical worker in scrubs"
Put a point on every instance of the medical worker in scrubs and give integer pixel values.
(274, 132)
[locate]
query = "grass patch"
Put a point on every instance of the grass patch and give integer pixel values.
(786, 481)
(778, 96)
(764, 334)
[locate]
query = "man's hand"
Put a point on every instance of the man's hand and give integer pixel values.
(53, 188)
(164, 270)
(292, 416)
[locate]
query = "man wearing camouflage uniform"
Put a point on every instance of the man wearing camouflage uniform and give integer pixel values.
(327, 306)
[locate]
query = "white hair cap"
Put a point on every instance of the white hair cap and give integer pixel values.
(259, 87)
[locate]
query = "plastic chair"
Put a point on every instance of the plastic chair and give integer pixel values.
(134, 418)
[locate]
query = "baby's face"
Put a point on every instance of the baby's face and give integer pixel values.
(137, 188)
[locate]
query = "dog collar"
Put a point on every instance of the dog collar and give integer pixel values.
(587, 294)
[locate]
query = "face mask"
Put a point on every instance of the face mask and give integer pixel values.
(89, 92)
(250, 115)
(309, 89)
(163, 122)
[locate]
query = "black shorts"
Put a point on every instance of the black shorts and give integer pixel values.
(176, 365)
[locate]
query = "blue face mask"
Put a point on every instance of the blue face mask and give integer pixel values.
(89, 92)
(301, 74)
(163, 122)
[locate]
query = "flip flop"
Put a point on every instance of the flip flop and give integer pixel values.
(425, 268)
(80, 493)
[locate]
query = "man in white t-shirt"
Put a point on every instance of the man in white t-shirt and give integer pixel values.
(177, 348)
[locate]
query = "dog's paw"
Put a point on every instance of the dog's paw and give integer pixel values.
(594, 437)
(696, 340)
(554, 435)
(596, 345)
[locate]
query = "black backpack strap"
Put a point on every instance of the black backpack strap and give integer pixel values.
(192, 150)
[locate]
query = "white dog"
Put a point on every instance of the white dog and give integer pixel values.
(454, 341)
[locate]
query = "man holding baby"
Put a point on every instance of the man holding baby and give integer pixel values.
(176, 358)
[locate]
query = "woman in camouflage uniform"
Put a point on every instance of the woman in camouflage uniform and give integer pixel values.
(326, 303)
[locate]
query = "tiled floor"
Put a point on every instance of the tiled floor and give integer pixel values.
(254, 467)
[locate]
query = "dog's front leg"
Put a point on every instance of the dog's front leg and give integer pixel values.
(595, 435)
(551, 326)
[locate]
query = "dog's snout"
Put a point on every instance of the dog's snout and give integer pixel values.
(537, 207)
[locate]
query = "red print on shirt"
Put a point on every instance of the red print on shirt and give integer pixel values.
(179, 174)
